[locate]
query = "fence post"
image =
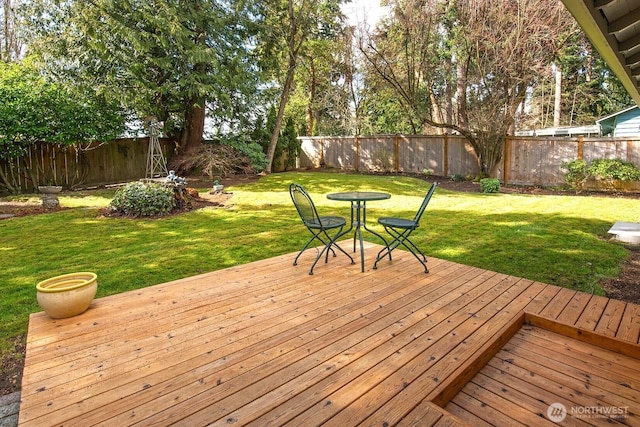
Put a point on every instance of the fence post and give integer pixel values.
(580, 146)
(357, 155)
(396, 153)
(507, 159)
(446, 154)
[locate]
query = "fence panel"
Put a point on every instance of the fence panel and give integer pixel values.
(118, 161)
(527, 160)
(613, 149)
(444, 155)
(310, 154)
(418, 153)
(537, 161)
(375, 153)
(337, 154)
(462, 159)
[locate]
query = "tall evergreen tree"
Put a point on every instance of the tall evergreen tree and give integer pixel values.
(168, 59)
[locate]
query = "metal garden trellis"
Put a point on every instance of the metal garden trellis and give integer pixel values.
(156, 163)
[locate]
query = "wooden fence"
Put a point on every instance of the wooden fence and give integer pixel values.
(118, 161)
(442, 154)
(526, 161)
(538, 161)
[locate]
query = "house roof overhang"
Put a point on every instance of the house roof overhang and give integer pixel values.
(613, 26)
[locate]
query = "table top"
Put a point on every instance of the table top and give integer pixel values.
(358, 196)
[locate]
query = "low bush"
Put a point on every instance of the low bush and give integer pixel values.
(143, 199)
(576, 175)
(252, 151)
(578, 171)
(490, 185)
(608, 169)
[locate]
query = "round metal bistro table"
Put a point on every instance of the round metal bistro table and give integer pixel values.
(358, 200)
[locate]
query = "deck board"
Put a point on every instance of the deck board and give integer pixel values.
(267, 344)
(611, 317)
(538, 367)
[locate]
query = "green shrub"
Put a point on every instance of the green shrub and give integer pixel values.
(490, 185)
(608, 169)
(252, 150)
(576, 175)
(601, 169)
(457, 177)
(143, 199)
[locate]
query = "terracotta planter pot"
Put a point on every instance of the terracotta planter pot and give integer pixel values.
(67, 295)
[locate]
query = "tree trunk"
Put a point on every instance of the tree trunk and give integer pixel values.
(5, 50)
(489, 150)
(6, 183)
(284, 98)
(461, 96)
(448, 105)
(191, 136)
(294, 43)
(437, 113)
(558, 97)
(311, 116)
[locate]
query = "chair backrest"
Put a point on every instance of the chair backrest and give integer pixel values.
(304, 205)
(425, 202)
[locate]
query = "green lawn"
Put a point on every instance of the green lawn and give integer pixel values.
(553, 239)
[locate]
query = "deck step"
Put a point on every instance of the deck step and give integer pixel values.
(628, 232)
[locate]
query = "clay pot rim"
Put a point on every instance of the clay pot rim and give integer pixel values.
(66, 282)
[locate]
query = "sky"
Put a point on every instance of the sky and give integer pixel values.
(359, 10)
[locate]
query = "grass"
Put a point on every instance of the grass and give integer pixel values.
(553, 239)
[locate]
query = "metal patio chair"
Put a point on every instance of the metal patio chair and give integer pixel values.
(318, 226)
(400, 229)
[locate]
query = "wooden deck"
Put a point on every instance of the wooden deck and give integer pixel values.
(267, 344)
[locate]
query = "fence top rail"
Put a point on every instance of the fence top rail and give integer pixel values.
(519, 138)
(377, 136)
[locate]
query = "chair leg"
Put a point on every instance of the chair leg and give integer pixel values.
(343, 251)
(401, 239)
(426, 270)
(304, 248)
(416, 249)
(329, 247)
(381, 255)
(325, 248)
(386, 251)
(389, 247)
(306, 245)
(410, 249)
